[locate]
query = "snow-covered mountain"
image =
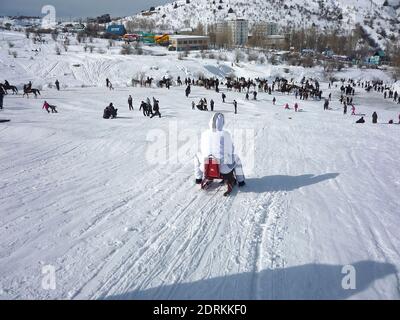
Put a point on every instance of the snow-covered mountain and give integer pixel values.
(380, 18)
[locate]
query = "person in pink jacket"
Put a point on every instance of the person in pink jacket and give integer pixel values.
(353, 110)
(296, 107)
(48, 106)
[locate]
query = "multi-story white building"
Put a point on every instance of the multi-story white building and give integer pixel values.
(265, 29)
(240, 31)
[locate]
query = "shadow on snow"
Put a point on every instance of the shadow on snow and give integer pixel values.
(285, 183)
(311, 281)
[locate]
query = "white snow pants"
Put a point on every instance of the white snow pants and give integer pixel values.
(238, 170)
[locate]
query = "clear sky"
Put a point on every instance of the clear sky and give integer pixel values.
(78, 8)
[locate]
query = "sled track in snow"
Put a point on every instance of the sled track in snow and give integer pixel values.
(173, 242)
(186, 258)
(174, 251)
(269, 228)
(114, 211)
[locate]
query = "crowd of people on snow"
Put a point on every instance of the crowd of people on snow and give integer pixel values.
(307, 88)
(302, 90)
(251, 89)
(148, 109)
(348, 90)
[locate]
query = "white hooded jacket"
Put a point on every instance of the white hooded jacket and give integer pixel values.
(218, 143)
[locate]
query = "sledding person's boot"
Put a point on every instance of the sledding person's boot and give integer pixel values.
(199, 181)
(230, 183)
(230, 188)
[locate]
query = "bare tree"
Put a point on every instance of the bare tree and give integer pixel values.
(142, 24)
(199, 31)
(224, 37)
(141, 77)
(258, 36)
(238, 56)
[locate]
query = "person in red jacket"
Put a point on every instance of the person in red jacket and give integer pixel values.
(287, 106)
(296, 107)
(48, 106)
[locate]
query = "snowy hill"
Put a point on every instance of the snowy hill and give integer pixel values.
(373, 15)
(86, 198)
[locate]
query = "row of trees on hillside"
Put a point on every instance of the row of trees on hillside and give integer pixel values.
(349, 44)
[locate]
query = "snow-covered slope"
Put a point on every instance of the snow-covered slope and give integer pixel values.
(330, 14)
(82, 195)
(77, 68)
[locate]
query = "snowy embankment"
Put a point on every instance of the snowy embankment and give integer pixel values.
(81, 193)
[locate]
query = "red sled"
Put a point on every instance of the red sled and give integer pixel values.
(211, 172)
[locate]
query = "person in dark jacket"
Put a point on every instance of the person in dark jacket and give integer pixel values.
(326, 104)
(57, 83)
(1, 97)
(113, 111)
(187, 91)
(223, 97)
(130, 103)
(374, 117)
(145, 108)
(156, 109)
(235, 105)
(255, 95)
(106, 113)
(361, 120)
(110, 112)
(205, 105)
(212, 104)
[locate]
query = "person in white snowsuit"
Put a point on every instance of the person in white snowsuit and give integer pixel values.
(218, 143)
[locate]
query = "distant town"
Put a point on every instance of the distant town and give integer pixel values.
(293, 47)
